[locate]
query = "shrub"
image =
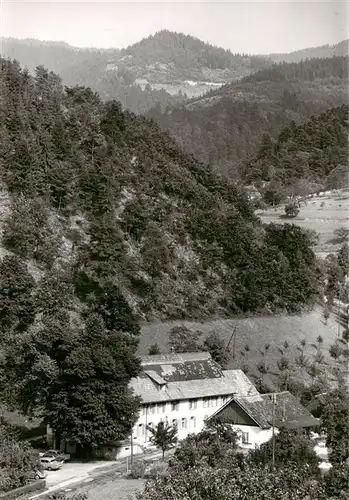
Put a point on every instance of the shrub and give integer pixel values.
(17, 459)
(138, 469)
(155, 469)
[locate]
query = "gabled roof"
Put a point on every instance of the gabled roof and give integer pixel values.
(185, 382)
(289, 413)
(181, 367)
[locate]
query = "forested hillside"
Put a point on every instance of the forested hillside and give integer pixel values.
(160, 69)
(183, 56)
(109, 208)
(324, 51)
(316, 151)
(87, 67)
(225, 126)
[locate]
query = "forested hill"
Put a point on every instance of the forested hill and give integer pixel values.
(107, 214)
(324, 51)
(87, 67)
(187, 56)
(316, 151)
(161, 69)
(226, 125)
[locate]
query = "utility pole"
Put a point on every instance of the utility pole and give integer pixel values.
(273, 429)
(131, 446)
(228, 344)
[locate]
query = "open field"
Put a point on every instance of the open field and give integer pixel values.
(256, 332)
(324, 220)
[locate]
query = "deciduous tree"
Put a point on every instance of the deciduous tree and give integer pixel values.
(163, 435)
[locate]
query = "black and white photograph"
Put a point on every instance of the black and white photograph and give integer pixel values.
(174, 250)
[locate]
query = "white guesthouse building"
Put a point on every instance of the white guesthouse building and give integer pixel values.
(190, 389)
(183, 390)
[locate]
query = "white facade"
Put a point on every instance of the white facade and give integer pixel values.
(183, 390)
(188, 415)
(251, 437)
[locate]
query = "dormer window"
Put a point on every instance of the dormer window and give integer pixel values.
(160, 383)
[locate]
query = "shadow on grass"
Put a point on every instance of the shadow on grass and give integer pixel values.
(336, 241)
(289, 217)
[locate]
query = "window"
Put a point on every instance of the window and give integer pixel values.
(144, 410)
(151, 409)
(183, 423)
(214, 401)
(244, 438)
(192, 422)
(174, 422)
(206, 402)
(224, 399)
(193, 404)
(140, 430)
(161, 408)
(175, 405)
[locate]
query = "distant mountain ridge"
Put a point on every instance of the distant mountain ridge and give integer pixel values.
(184, 56)
(226, 125)
(323, 51)
(166, 68)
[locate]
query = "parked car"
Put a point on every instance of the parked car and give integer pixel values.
(57, 454)
(50, 463)
(37, 474)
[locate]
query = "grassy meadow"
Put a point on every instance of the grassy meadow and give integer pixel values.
(256, 332)
(322, 214)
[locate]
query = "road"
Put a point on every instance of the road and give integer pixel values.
(74, 475)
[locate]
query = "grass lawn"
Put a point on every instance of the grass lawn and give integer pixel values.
(256, 332)
(323, 219)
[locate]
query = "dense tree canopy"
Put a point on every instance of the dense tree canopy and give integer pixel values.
(146, 228)
(311, 152)
(225, 127)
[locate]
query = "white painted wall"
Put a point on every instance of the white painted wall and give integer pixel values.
(189, 416)
(256, 435)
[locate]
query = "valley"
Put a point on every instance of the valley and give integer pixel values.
(155, 299)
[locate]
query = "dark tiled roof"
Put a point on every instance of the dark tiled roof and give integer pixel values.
(181, 367)
(232, 382)
(289, 413)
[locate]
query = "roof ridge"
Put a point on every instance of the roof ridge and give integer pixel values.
(175, 357)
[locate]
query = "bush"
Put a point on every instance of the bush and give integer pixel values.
(155, 469)
(138, 469)
(291, 447)
(17, 459)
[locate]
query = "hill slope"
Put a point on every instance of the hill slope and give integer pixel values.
(87, 67)
(324, 51)
(158, 69)
(225, 126)
(181, 56)
(104, 202)
(311, 151)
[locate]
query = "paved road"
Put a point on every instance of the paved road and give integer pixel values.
(74, 475)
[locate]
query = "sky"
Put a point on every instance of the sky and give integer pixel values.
(241, 26)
